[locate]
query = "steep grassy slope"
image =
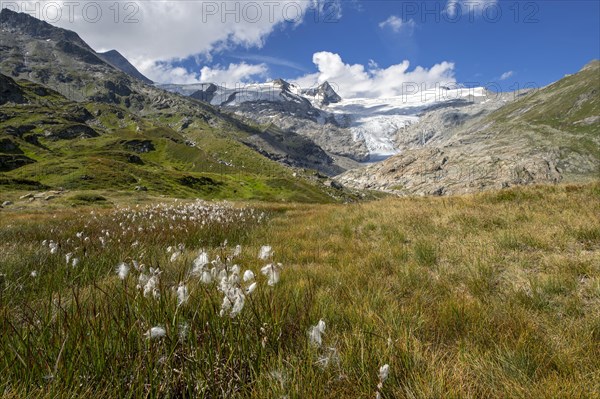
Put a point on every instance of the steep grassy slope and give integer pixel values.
(547, 136)
(489, 296)
(564, 115)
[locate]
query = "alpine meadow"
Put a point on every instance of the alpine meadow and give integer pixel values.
(300, 199)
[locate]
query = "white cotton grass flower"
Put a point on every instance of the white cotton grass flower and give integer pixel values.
(265, 253)
(75, 262)
(151, 287)
(238, 304)
(142, 280)
(272, 271)
(251, 288)
(248, 276)
(174, 256)
(384, 372)
(237, 251)
(156, 332)
(233, 303)
(34, 273)
(233, 297)
(200, 264)
(220, 275)
(331, 356)
(206, 277)
(137, 266)
(315, 333)
(68, 257)
(184, 329)
(122, 270)
(182, 294)
(202, 259)
(149, 283)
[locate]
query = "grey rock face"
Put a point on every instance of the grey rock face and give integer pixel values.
(309, 122)
(10, 92)
(324, 94)
(205, 95)
(70, 132)
(437, 124)
(10, 162)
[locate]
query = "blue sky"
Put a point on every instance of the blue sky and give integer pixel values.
(367, 47)
(537, 41)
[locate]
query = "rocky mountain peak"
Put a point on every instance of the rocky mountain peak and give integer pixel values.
(282, 84)
(328, 94)
(324, 94)
(117, 60)
(25, 24)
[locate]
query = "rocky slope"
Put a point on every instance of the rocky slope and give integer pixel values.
(546, 136)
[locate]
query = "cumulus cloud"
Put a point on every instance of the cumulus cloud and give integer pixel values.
(506, 75)
(466, 7)
(396, 24)
(355, 81)
(154, 31)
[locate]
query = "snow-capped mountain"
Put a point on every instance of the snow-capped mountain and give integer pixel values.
(361, 129)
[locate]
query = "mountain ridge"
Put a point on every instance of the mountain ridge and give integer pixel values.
(80, 123)
(117, 60)
(78, 73)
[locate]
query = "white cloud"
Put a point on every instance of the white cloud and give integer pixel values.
(228, 76)
(233, 74)
(468, 7)
(152, 31)
(165, 73)
(396, 24)
(354, 81)
(506, 75)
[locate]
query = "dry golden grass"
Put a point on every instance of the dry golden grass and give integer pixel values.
(492, 295)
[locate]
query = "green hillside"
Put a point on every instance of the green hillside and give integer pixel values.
(48, 141)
